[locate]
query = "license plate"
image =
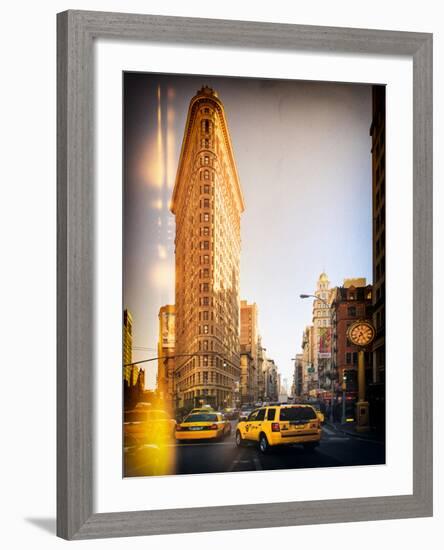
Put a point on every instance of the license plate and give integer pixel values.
(195, 428)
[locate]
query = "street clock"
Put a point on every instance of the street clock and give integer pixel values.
(361, 333)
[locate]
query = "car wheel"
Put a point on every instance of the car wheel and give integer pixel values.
(264, 446)
(240, 442)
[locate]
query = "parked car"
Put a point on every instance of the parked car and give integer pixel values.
(231, 413)
(148, 426)
(145, 459)
(280, 425)
(245, 412)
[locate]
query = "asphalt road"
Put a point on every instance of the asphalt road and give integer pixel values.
(199, 457)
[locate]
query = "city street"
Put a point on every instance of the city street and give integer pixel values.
(335, 449)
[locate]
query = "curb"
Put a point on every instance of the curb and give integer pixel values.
(354, 434)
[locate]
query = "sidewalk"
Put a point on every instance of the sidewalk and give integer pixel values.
(350, 429)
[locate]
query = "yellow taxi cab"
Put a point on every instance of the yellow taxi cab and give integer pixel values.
(148, 426)
(203, 425)
(204, 409)
(281, 425)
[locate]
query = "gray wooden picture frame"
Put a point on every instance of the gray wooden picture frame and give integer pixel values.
(76, 32)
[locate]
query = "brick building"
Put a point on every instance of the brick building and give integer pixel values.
(351, 302)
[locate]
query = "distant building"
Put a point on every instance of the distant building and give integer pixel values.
(283, 389)
(298, 376)
(310, 375)
(261, 362)
(322, 331)
(165, 353)
(133, 376)
(207, 203)
(127, 346)
(376, 393)
(247, 376)
(271, 381)
(249, 345)
(248, 326)
(351, 302)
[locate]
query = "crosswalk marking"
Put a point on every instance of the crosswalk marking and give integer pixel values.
(328, 431)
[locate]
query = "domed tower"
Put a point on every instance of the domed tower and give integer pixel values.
(322, 328)
(321, 312)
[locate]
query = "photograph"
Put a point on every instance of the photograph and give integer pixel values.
(253, 306)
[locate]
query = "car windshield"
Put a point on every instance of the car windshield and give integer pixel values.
(297, 413)
(201, 417)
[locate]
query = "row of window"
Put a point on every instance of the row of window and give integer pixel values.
(214, 378)
(351, 358)
(220, 395)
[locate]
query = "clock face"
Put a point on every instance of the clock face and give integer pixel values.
(361, 333)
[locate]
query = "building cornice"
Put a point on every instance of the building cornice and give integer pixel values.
(192, 112)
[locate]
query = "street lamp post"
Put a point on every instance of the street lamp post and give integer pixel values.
(344, 397)
(303, 296)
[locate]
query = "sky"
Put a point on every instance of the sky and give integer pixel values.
(302, 151)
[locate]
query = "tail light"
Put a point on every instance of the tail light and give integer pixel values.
(178, 427)
(213, 427)
(314, 424)
(275, 427)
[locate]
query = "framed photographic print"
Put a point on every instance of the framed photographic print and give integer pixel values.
(244, 274)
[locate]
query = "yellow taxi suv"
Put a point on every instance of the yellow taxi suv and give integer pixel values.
(280, 425)
(203, 425)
